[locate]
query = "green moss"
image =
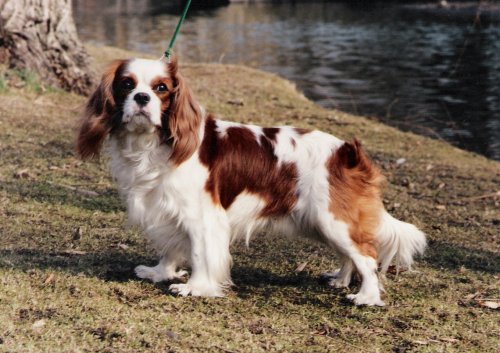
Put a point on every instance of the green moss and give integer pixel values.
(67, 257)
(3, 84)
(31, 80)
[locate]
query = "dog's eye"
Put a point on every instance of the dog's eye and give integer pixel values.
(161, 87)
(128, 84)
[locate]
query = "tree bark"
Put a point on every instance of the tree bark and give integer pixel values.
(40, 36)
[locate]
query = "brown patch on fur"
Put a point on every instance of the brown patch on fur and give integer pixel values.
(355, 194)
(301, 131)
(182, 118)
(158, 81)
(166, 97)
(238, 163)
(271, 132)
(293, 142)
(100, 113)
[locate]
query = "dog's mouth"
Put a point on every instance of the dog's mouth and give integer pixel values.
(140, 115)
(143, 113)
(139, 121)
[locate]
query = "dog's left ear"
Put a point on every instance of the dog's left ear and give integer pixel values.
(184, 119)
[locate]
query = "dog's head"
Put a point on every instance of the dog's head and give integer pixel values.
(140, 96)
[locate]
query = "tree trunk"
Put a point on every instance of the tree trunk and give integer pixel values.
(40, 36)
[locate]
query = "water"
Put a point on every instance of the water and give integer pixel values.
(438, 77)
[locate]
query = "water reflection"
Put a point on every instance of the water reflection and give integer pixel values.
(440, 78)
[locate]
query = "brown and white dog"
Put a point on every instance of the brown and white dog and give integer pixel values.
(194, 183)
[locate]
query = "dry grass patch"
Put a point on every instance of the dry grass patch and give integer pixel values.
(66, 257)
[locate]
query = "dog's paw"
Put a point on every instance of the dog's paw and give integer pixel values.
(363, 299)
(185, 289)
(182, 289)
(158, 274)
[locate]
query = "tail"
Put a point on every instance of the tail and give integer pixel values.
(398, 239)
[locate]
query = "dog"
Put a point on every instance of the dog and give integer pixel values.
(194, 184)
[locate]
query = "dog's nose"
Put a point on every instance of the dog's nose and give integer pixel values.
(142, 98)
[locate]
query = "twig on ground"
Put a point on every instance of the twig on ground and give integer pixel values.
(83, 192)
(74, 252)
(485, 196)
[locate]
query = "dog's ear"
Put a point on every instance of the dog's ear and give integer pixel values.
(97, 120)
(184, 118)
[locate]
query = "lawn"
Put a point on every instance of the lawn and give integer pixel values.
(67, 256)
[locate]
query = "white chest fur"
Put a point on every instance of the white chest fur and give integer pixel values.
(156, 194)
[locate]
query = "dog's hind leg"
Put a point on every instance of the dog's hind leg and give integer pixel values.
(341, 277)
(363, 257)
(352, 218)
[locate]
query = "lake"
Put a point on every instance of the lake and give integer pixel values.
(437, 76)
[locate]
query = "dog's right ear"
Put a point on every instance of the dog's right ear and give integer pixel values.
(97, 120)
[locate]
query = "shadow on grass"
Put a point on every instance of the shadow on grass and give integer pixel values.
(118, 266)
(442, 255)
(298, 288)
(106, 201)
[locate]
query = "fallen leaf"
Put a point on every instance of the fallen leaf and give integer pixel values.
(37, 325)
(123, 246)
(238, 102)
(423, 343)
(448, 339)
(301, 267)
(472, 296)
(489, 304)
(400, 161)
(50, 279)
(440, 207)
(23, 174)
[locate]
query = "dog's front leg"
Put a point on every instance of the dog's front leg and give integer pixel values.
(210, 258)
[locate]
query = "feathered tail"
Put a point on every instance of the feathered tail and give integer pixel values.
(398, 240)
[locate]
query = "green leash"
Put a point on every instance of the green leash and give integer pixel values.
(168, 52)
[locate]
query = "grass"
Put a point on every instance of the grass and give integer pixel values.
(67, 257)
(24, 80)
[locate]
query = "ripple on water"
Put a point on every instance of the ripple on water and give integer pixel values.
(434, 75)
